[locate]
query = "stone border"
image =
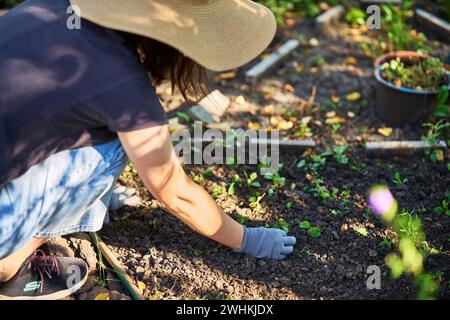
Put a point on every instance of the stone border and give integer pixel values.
(253, 75)
(433, 24)
(327, 20)
(402, 147)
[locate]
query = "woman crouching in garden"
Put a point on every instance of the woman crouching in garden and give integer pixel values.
(76, 104)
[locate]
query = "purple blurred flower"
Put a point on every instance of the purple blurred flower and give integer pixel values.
(381, 201)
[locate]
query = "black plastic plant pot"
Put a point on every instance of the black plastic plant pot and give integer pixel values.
(400, 106)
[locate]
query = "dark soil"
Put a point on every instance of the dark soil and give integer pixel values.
(175, 263)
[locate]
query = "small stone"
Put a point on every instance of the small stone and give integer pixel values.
(335, 235)
(372, 253)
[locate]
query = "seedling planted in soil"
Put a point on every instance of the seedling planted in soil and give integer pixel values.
(444, 207)
(313, 232)
(398, 180)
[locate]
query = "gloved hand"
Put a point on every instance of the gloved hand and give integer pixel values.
(123, 196)
(267, 243)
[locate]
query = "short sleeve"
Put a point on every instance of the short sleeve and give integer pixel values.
(130, 105)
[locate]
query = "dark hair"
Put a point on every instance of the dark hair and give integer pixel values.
(163, 62)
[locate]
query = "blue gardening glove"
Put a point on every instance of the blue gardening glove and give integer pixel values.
(267, 243)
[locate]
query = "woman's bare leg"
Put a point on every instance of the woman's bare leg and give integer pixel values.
(11, 264)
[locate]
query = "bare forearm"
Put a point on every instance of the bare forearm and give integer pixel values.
(195, 207)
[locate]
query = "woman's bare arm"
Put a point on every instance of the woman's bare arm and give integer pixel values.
(152, 153)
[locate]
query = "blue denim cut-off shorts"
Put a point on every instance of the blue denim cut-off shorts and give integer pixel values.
(67, 193)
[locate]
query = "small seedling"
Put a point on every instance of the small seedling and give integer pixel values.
(304, 224)
(445, 205)
(251, 181)
(314, 232)
(282, 224)
(442, 108)
(339, 154)
(241, 219)
(335, 127)
(232, 184)
(288, 205)
(218, 190)
(398, 180)
(386, 242)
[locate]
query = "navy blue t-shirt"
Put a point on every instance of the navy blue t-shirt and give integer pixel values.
(62, 89)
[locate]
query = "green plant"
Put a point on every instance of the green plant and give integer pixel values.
(9, 3)
(444, 206)
(183, 116)
(398, 180)
(232, 184)
(304, 224)
(442, 107)
(435, 133)
(251, 180)
(356, 17)
(241, 219)
(319, 60)
(419, 74)
(277, 181)
(386, 242)
(314, 232)
(339, 154)
(282, 224)
(218, 190)
(288, 205)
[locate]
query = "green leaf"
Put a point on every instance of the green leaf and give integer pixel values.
(241, 219)
(256, 184)
(183, 116)
(438, 210)
(314, 232)
(231, 188)
(302, 164)
(304, 225)
(289, 205)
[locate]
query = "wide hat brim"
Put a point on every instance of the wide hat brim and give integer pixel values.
(217, 34)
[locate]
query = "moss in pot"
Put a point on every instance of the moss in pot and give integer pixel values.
(407, 86)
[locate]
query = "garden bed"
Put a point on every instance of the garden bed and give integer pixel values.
(329, 84)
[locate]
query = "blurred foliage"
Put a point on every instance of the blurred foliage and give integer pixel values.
(9, 3)
(304, 8)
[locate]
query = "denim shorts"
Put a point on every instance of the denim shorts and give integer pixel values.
(67, 193)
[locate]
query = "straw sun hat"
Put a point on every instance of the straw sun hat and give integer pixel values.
(218, 34)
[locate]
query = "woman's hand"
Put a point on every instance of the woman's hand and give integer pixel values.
(267, 243)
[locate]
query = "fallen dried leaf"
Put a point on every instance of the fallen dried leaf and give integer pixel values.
(354, 96)
(439, 155)
(240, 100)
(225, 76)
(385, 131)
(331, 114)
(285, 125)
(350, 61)
(288, 88)
(142, 286)
(351, 114)
(253, 125)
(335, 98)
(102, 296)
(335, 120)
